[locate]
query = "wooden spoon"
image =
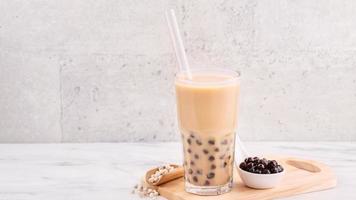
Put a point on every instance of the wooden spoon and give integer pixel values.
(176, 173)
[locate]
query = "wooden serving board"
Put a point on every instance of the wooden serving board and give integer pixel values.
(301, 176)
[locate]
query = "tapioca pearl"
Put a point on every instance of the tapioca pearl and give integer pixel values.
(205, 151)
(211, 158)
(192, 135)
(206, 183)
(196, 156)
(199, 171)
(189, 141)
(222, 157)
(190, 171)
(195, 179)
(211, 141)
(224, 142)
(192, 162)
(216, 149)
(225, 164)
(213, 166)
(210, 175)
(189, 150)
(198, 142)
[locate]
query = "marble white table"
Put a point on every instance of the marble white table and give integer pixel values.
(109, 170)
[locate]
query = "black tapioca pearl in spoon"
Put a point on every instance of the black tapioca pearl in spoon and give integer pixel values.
(216, 149)
(198, 142)
(243, 166)
(190, 171)
(248, 160)
(210, 175)
(195, 179)
(196, 156)
(260, 166)
(264, 162)
(192, 162)
(206, 183)
(211, 158)
(265, 171)
(272, 164)
(250, 165)
(211, 142)
(213, 166)
(205, 151)
(199, 171)
(280, 168)
(274, 170)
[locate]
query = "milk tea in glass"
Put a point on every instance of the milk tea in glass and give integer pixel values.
(207, 105)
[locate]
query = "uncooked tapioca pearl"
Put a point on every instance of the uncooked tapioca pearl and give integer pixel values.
(211, 141)
(207, 183)
(195, 179)
(210, 175)
(198, 142)
(205, 151)
(189, 150)
(213, 166)
(192, 162)
(216, 149)
(190, 171)
(163, 170)
(196, 156)
(211, 158)
(145, 192)
(199, 171)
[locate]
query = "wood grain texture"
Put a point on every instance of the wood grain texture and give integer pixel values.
(301, 176)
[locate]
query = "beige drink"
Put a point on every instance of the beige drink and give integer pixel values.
(207, 114)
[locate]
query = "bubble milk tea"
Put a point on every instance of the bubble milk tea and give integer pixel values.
(207, 108)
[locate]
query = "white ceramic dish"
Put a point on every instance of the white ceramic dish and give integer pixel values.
(260, 181)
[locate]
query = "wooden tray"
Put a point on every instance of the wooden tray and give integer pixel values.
(301, 176)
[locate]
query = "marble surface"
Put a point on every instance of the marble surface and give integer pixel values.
(109, 170)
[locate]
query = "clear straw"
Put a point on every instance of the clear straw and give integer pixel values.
(178, 43)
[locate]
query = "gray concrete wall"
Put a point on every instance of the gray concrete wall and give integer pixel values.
(102, 71)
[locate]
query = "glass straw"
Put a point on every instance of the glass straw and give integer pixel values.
(178, 43)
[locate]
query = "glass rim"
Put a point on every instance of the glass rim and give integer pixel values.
(235, 76)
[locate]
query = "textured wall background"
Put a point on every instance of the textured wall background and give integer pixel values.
(87, 71)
